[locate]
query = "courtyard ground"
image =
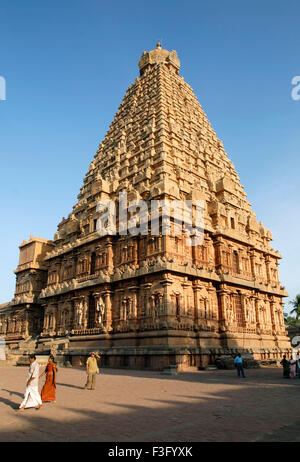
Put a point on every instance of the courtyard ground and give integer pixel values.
(147, 406)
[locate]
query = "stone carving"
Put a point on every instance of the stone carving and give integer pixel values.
(160, 145)
(80, 313)
(100, 309)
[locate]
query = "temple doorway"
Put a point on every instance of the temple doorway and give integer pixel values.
(91, 312)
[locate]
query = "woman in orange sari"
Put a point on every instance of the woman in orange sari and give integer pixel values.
(48, 390)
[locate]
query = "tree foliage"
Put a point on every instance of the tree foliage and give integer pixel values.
(296, 306)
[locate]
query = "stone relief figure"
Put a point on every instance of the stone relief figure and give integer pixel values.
(100, 308)
(247, 310)
(123, 309)
(79, 313)
(228, 311)
(262, 314)
(252, 315)
(158, 304)
(250, 312)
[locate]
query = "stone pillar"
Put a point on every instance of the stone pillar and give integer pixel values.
(109, 251)
(267, 263)
(108, 310)
(244, 307)
(85, 311)
(166, 283)
(257, 313)
(55, 314)
(185, 307)
(273, 315)
(222, 293)
(160, 303)
(134, 290)
(46, 321)
(211, 290)
(146, 288)
(219, 245)
(196, 288)
(3, 325)
(252, 263)
(281, 318)
(119, 293)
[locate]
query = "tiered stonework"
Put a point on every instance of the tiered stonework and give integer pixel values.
(23, 317)
(151, 301)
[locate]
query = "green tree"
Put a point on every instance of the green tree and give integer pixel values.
(296, 306)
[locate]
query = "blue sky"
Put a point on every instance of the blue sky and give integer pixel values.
(67, 65)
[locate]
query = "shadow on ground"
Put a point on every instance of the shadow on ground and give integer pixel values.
(229, 409)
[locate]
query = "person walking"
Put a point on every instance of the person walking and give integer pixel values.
(91, 371)
(238, 361)
(286, 367)
(48, 390)
(293, 368)
(298, 366)
(32, 397)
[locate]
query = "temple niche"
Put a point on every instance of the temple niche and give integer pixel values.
(151, 300)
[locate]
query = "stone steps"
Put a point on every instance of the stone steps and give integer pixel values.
(170, 370)
(211, 367)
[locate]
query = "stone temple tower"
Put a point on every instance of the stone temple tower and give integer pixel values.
(153, 300)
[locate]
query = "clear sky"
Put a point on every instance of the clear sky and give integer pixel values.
(67, 65)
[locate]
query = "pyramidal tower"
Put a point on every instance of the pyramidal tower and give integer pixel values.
(153, 300)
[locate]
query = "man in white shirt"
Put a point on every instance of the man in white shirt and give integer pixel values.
(32, 397)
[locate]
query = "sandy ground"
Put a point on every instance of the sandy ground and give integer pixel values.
(147, 406)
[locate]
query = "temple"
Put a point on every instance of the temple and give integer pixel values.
(150, 301)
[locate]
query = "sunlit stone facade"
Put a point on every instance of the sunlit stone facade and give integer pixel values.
(151, 301)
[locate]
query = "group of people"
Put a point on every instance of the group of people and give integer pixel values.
(291, 367)
(32, 397)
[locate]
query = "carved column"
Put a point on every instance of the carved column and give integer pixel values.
(222, 293)
(109, 250)
(54, 317)
(134, 290)
(119, 293)
(267, 264)
(146, 288)
(196, 289)
(185, 307)
(257, 313)
(166, 283)
(273, 315)
(212, 292)
(85, 311)
(108, 310)
(219, 245)
(252, 262)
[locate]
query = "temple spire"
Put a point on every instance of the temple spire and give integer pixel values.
(159, 56)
